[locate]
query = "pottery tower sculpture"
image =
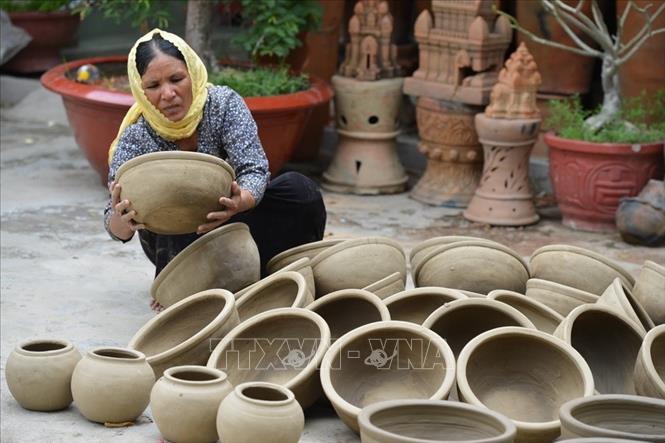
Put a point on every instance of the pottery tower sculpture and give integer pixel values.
(368, 94)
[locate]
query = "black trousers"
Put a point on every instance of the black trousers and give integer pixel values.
(290, 214)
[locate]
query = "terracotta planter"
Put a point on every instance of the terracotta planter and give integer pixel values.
(423, 248)
(649, 290)
(387, 286)
(282, 290)
(619, 297)
(308, 250)
(589, 179)
(650, 365)
(542, 316)
(415, 305)
(39, 373)
(560, 298)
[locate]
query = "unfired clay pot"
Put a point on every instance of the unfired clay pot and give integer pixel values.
(260, 412)
(301, 266)
(172, 192)
(542, 316)
(650, 365)
(281, 290)
(560, 298)
(461, 320)
(309, 250)
(225, 258)
(184, 333)
(524, 374)
(387, 286)
(598, 440)
(618, 416)
(39, 373)
(620, 297)
(415, 305)
(283, 346)
(577, 267)
(112, 385)
(184, 403)
(419, 421)
(385, 361)
(649, 290)
(608, 342)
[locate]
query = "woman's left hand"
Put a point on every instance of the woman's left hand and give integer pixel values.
(240, 200)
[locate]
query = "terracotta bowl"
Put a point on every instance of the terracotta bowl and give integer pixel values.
(461, 320)
(301, 266)
(348, 309)
(281, 290)
(409, 421)
(650, 365)
(577, 267)
(385, 361)
(614, 416)
(415, 305)
(387, 286)
(649, 290)
(477, 266)
(309, 250)
(283, 346)
(618, 296)
(225, 258)
(608, 342)
(173, 191)
(423, 248)
(357, 263)
(181, 334)
(560, 298)
(524, 374)
(542, 316)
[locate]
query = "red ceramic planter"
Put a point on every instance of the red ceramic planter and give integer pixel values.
(589, 178)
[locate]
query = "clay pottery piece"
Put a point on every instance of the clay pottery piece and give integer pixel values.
(260, 412)
(599, 440)
(309, 250)
(524, 374)
(184, 403)
(614, 416)
(39, 373)
(650, 365)
(461, 320)
(409, 421)
(609, 343)
(283, 346)
(348, 309)
(649, 290)
(639, 222)
(387, 286)
(492, 266)
(301, 266)
(415, 305)
(620, 297)
(112, 385)
(280, 290)
(471, 294)
(388, 360)
(357, 263)
(577, 267)
(542, 316)
(560, 298)
(225, 258)
(182, 334)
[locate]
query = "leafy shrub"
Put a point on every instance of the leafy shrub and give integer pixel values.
(260, 81)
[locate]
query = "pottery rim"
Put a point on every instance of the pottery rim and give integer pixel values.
(629, 304)
(302, 248)
(240, 392)
(62, 347)
(362, 294)
(654, 267)
(441, 240)
(565, 329)
(174, 155)
(123, 354)
(259, 286)
(384, 282)
(647, 358)
(436, 291)
(561, 289)
(477, 302)
(499, 294)
(353, 243)
(296, 266)
(215, 374)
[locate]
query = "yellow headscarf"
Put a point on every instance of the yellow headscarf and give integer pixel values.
(162, 125)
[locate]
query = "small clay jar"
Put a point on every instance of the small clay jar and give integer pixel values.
(39, 373)
(260, 412)
(112, 385)
(185, 401)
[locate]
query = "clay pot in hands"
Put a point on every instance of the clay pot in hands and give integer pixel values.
(182, 334)
(309, 250)
(172, 192)
(39, 374)
(184, 403)
(650, 365)
(524, 374)
(542, 316)
(415, 305)
(112, 385)
(649, 290)
(416, 421)
(385, 361)
(560, 298)
(387, 286)
(225, 258)
(281, 290)
(620, 297)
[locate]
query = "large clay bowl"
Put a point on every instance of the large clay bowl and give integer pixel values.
(420, 421)
(560, 298)
(301, 266)
(387, 286)
(389, 360)
(461, 320)
(225, 258)
(281, 290)
(649, 290)
(608, 342)
(477, 266)
(618, 296)
(309, 250)
(614, 416)
(423, 248)
(173, 191)
(182, 334)
(283, 346)
(355, 264)
(650, 365)
(415, 305)
(577, 267)
(524, 374)
(542, 316)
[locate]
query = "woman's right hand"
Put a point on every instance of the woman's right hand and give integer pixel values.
(122, 222)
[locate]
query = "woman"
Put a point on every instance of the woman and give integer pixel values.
(176, 109)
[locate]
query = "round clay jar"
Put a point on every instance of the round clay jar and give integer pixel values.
(39, 374)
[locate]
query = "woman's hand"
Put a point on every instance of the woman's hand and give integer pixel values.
(240, 200)
(122, 222)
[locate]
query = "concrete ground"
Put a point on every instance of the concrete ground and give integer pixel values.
(62, 277)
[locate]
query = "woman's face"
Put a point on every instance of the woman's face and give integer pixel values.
(168, 86)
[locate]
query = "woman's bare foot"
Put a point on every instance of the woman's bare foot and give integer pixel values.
(156, 306)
